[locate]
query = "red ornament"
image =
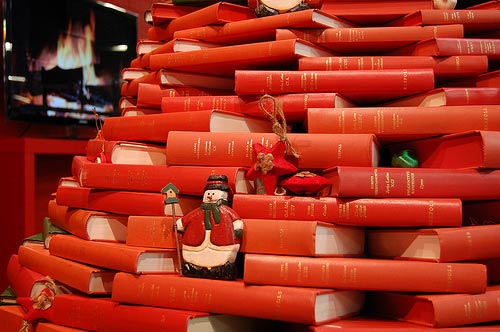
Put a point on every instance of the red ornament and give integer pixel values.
(270, 164)
(305, 183)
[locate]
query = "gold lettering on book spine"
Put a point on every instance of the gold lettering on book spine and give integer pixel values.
(374, 182)
(485, 119)
(360, 211)
(449, 276)
(430, 213)
(272, 209)
(379, 121)
(339, 151)
(405, 79)
(278, 299)
(286, 213)
(344, 210)
(284, 271)
(468, 237)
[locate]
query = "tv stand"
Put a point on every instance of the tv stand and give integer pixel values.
(29, 173)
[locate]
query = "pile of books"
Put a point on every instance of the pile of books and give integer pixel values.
(381, 212)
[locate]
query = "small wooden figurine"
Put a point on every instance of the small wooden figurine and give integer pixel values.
(211, 234)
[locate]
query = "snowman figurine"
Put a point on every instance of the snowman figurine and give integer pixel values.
(211, 234)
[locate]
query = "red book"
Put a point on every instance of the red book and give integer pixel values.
(472, 20)
(263, 28)
(453, 46)
(131, 73)
(396, 123)
(301, 238)
(82, 277)
(215, 14)
(370, 40)
(123, 202)
(151, 231)
(379, 212)
(20, 278)
(468, 149)
(161, 13)
(225, 60)
(114, 255)
(122, 152)
(451, 96)
(103, 314)
(437, 310)
(172, 78)
(294, 105)
(127, 102)
(150, 95)
(293, 304)
(88, 224)
(365, 322)
(444, 68)
(368, 12)
(316, 151)
(489, 79)
(156, 127)
(176, 45)
(368, 274)
(449, 244)
(466, 184)
(144, 46)
(138, 110)
(363, 86)
(190, 180)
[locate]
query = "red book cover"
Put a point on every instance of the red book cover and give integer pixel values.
(449, 244)
(161, 13)
(85, 278)
(122, 152)
(123, 202)
(451, 96)
(378, 212)
(156, 127)
(370, 40)
(150, 95)
(294, 105)
(88, 224)
(301, 238)
(437, 310)
(397, 123)
(466, 184)
(176, 45)
(293, 304)
(190, 180)
(215, 14)
(225, 60)
(472, 20)
(144, 46)
(170, 78)
(151, 231)
(131, 73)
(316, 151)
(114, 255)
(467, 149)
(364, 274)
(444, 68)
(20, 278)
(453, 46)
(263, 28)
(362, 86)
(138, 110)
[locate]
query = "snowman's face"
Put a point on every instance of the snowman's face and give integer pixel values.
(213, 195)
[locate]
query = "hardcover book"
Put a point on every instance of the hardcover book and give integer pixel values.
(364, 274)
(449, 244)
(123, 152)
(379, 212)
(437, 310)
(304, 305)
(301, 238)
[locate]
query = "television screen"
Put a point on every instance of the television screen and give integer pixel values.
(63, 58)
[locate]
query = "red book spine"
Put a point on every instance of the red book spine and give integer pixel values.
(365, 274)
(466, 184)
(437, 310)
(162, 13)
(150, 95)
(473, 17)
(316, 151)
(401, 123)
(454, 46)
(190, 180)
(294, 304)
(380, 212)
(124, 202)
(444, 67)
(355, 85)
(294, 105)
